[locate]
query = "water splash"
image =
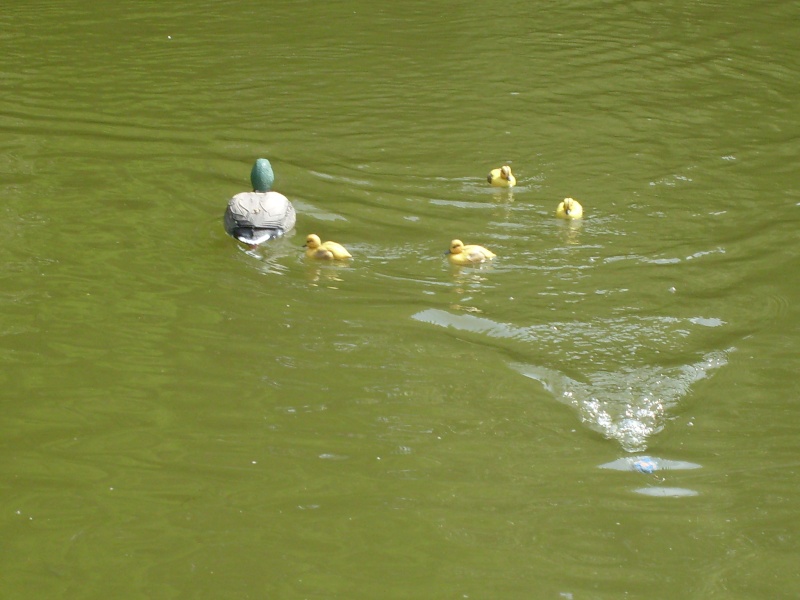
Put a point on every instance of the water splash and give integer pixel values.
(628, 404)
(631, 404)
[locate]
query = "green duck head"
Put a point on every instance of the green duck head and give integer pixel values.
(262, 176)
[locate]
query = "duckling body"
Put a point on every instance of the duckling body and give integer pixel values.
(469, 254)
(502, 177)
(569, 208)
(261, 215)
(316, 248)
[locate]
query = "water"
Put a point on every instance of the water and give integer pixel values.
(185, 418)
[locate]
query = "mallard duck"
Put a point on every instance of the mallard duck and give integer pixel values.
(459, 254)
(261, 215)
(315, 248)
(502, 177)
(569, 208)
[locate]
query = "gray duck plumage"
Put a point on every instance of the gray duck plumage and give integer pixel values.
(261, 215)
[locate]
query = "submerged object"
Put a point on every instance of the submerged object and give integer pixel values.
(648, 464)
(645, 464)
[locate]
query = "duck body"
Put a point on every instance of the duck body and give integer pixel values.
(316, 248)
(502, 177)
(569, 208)
(256, 217)
(468, 254)
(261, 215)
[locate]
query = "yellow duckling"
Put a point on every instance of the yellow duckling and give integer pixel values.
(569, 208)
(502, 177)
(325, 250)
(459, 254)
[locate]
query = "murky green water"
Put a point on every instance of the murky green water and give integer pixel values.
(183, 418)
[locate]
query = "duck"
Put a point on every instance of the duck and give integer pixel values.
(569, 208)
(261, 215)
(460, 254)
(316, 248)
(502, 177)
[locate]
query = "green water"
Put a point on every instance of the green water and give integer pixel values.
(184, 418)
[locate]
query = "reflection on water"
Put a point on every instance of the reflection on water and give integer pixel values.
(272, 258)
(623, 402)
(469, 280)
(327, 274)
(571, 230)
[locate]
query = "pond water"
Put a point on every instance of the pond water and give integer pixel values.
(610, 409)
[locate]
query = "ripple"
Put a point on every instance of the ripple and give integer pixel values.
(648, 464)
(331, 456)
(778, 306)
(666, 492)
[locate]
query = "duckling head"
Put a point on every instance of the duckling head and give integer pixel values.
(312, 241)
(569, 208)
(261, 176)
(456, 247)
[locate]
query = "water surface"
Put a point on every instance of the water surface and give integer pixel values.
(185, 418)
